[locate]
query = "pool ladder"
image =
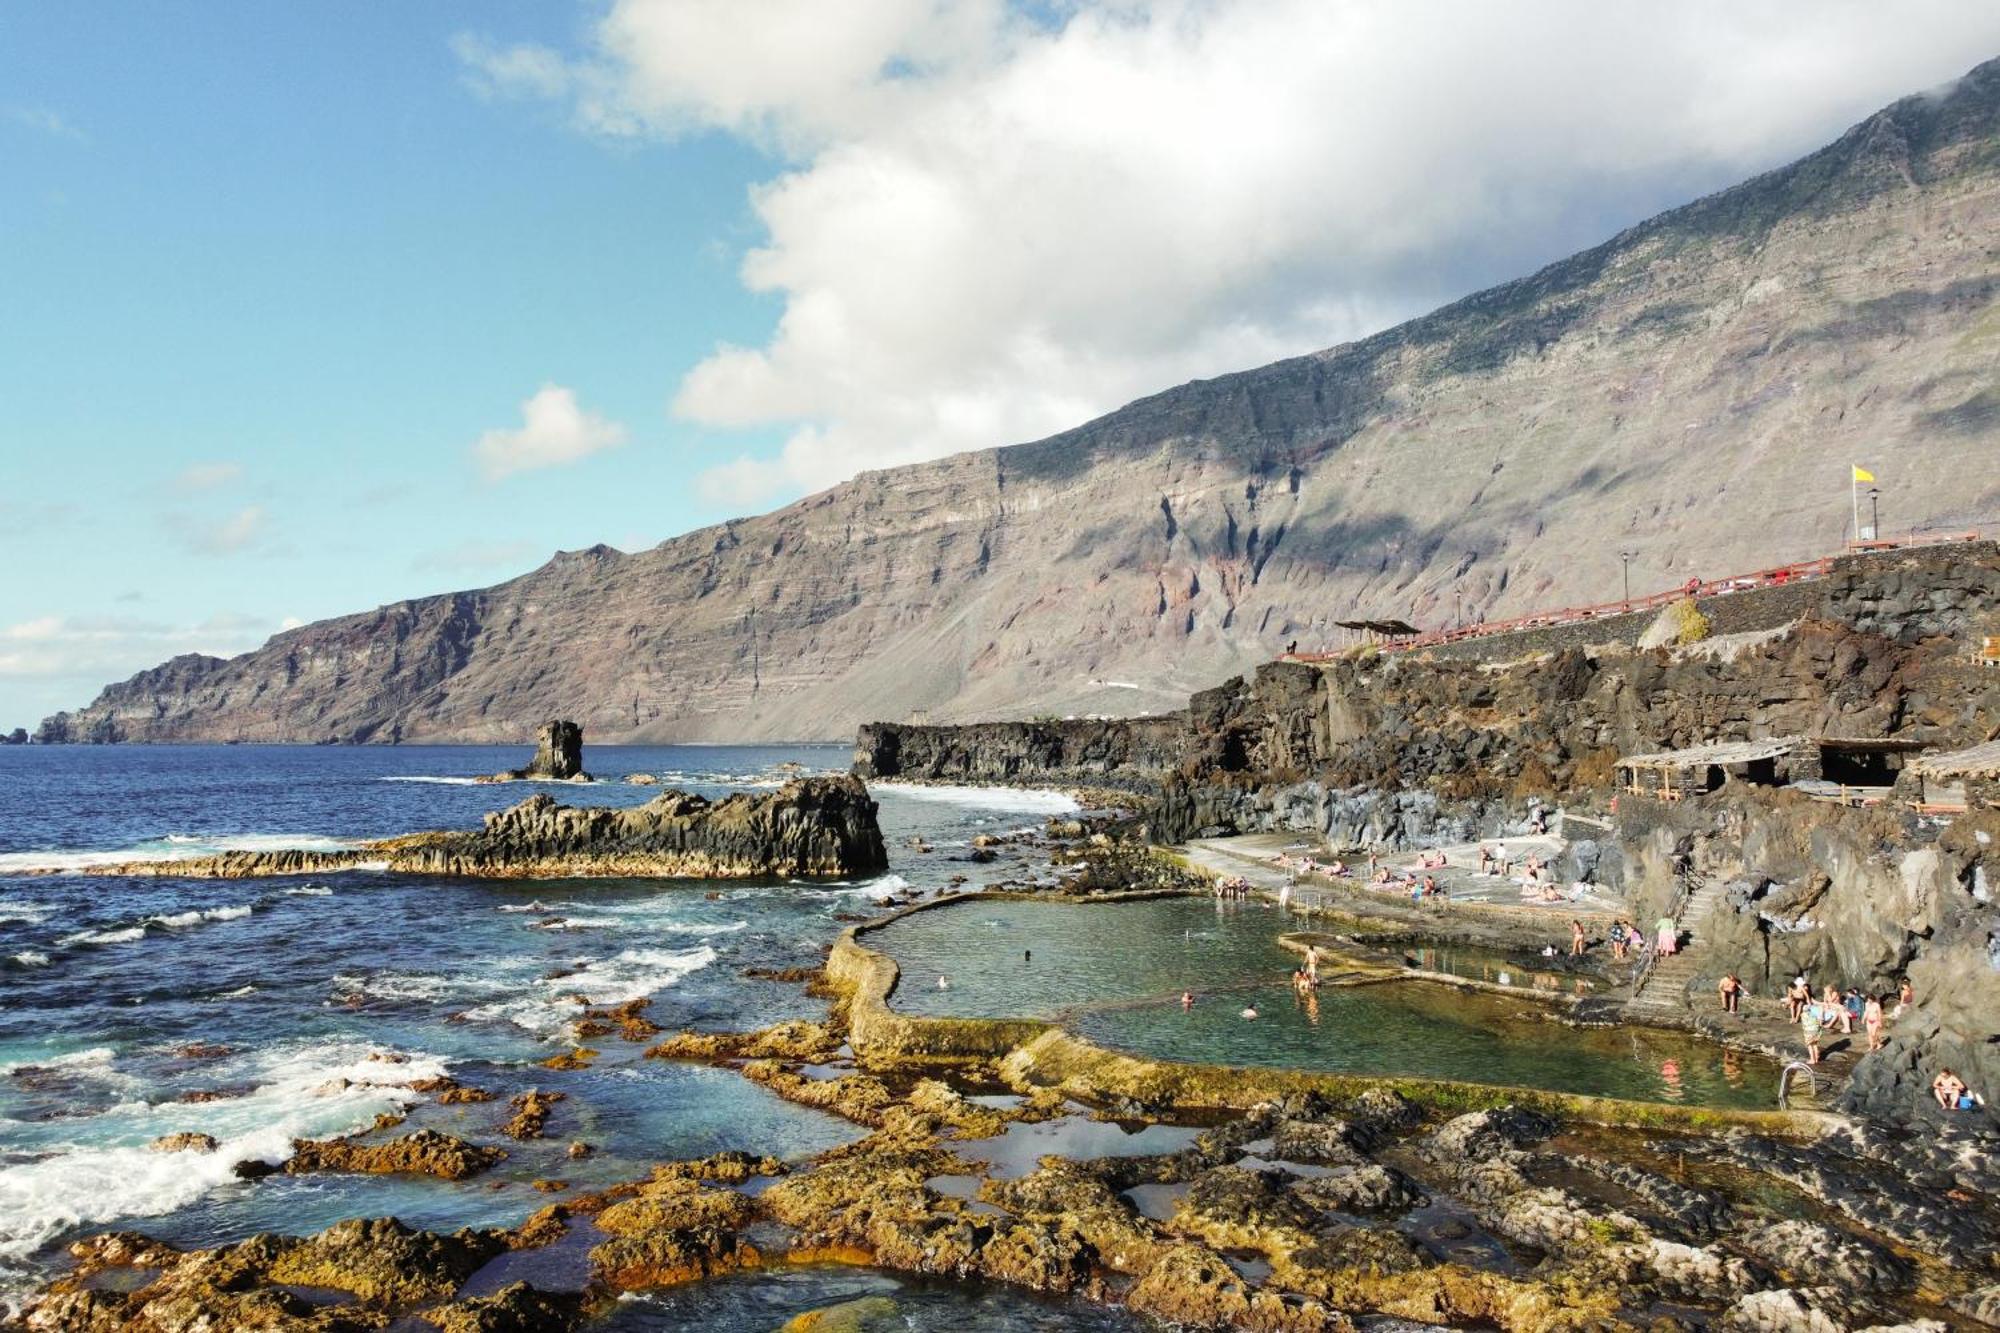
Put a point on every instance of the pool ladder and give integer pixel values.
(1785, 1082)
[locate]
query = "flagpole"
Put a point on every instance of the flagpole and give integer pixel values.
(1854, 495)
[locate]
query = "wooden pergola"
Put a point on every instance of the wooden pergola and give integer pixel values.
(1671, 775)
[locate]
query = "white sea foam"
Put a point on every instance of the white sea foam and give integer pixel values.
(20, 909)
(630, 975)
(173, 847)
(109, 1173)
(97, 1059)
(579, 923)
(1012, 800)
(875, 890)
(122, 935)
(442, 781)
(30, 958)
(536, 906)
(195, 916)
(236, 994)
(309, 891)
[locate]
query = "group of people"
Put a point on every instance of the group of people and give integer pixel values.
(1233, 886)
(1816, 1015)
(1305, 977)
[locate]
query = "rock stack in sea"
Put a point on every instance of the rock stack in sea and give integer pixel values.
(558, 756)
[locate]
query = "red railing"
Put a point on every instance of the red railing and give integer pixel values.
(1573, 615)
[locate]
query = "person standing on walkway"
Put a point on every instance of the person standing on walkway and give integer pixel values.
(1668, 933)
(1576, 939)
(1809, 1026)
(1871, 1019)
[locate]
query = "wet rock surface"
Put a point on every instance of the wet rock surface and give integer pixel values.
(426, 1152)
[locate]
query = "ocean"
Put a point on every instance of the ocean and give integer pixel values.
(259, 1011)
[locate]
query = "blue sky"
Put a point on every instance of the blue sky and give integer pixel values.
(308, 307)
(276, 261)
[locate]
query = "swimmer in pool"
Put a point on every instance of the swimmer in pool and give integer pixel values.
(1187, 1000)
(943, 984)
(1250, 1011)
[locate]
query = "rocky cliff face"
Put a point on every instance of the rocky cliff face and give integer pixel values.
(1693, 390)
(1384, 746)
(809, 828)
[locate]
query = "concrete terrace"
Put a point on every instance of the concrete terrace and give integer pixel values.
(1486, 901)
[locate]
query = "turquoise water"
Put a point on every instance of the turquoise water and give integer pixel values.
(307, 982)
(1115, 973)
(1038, 959)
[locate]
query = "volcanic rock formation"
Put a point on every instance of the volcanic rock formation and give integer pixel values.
(809, 828)
(558, 756)
(1692, 390)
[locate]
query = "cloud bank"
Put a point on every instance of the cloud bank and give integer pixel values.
(986, 223)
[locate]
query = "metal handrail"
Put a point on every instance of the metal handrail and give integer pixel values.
(1785, 1081)
(1674, 909)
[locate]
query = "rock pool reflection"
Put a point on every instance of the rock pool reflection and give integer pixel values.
(1114, 972)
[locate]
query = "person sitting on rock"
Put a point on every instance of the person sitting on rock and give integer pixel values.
(1836, 1011)
(1906, 995)
(1487, 859)
(1950, 1090)
(1797, 996)
(1730, 988)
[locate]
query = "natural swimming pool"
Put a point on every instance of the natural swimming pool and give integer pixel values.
(1114, 973)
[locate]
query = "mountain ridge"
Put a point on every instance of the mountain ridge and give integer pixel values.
(1499, 450)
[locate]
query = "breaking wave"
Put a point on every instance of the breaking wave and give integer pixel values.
(172, 847)
(1012, 800)
(296, 1091)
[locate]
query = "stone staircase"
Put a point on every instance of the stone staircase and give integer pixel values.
(1662, 996)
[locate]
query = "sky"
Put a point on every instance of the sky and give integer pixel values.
(308, 308)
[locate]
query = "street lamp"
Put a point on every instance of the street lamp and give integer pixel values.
(1874, 514)
(1457, 609)
(1625, 567)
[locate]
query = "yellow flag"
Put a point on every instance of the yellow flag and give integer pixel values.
(1863, 474)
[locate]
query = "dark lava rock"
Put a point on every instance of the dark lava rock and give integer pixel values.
(558, 754)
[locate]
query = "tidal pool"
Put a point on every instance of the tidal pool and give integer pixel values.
(1114, 973)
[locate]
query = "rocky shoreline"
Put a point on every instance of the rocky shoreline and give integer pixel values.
(1276, 1200)
(810, 828)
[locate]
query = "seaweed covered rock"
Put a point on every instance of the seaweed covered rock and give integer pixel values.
(426, 1152)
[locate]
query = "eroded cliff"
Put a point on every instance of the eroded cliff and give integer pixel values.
(1692, 390)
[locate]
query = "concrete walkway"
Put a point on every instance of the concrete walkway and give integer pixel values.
(1253, 857)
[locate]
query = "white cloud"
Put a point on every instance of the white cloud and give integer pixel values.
(228, 535)
(196, 478)
(554, 430)
(988, 227)
(44, 121)
(101, 648)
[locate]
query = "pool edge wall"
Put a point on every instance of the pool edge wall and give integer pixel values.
(1031, 1053)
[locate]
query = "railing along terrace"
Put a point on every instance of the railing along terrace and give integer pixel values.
(1775, 577)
